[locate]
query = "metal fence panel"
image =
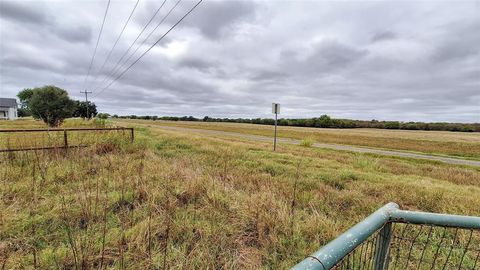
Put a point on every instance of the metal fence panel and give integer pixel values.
(396, 239)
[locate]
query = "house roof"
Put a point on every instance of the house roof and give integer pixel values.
(8, 102)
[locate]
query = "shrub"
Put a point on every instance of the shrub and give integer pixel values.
(306, 143)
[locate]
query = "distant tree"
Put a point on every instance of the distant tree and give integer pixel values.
(24, 97)
(392, 125)
(51, 104)
(324, 121)
(306, 122)
(103, 115)
(85, 109)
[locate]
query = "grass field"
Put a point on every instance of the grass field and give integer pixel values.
(178, 201)
(458, 144)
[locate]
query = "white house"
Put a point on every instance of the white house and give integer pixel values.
(8, 109)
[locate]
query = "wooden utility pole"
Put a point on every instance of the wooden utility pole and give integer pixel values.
(86, 100)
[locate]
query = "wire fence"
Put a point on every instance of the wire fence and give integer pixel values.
(425, 247)
(434, 247)
(13, 140)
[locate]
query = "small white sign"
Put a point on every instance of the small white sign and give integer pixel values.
(276, 108)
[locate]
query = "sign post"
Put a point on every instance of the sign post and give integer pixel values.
(276, 111)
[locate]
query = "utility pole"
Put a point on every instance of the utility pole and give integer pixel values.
(276, 111)
(86, 100)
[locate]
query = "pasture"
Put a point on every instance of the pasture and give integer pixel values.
(456, 144)
(172, 200)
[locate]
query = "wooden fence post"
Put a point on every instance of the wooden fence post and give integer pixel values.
(65, 140)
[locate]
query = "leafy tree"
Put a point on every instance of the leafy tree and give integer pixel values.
(324, 121)
(392, 125)
(23, 112)
(85, 109)
(51, 104)
(103, 115)
(24, 97)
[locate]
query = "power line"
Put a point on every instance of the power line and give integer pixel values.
(151, 47)
(133, 43)
(144, 40)
(116, 42)
(96, 46)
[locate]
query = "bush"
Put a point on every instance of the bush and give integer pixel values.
(103, 115)
(306, 143)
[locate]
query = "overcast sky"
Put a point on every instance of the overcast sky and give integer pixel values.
(388, 60)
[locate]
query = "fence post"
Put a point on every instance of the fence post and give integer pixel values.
(133, 134)
(65, 140)
(383, 246)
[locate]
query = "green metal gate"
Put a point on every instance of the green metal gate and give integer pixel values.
(392, 239)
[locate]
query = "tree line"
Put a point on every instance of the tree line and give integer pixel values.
(325, 121)
(53, 105)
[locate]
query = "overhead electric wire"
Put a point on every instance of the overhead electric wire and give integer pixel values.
(133, 43)
(96, 46)
(151, 47)
(144, 40)
(116, 42)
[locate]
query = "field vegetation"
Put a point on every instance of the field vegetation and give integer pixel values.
(456, 144)
(177, 201)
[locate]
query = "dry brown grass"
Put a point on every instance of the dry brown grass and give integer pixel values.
(458, 144)
(186, 201)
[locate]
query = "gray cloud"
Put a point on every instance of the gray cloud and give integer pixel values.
(75, 34)
(375, 59)
(382, 36)
(459, 46)
(219, 17)
(22, 12)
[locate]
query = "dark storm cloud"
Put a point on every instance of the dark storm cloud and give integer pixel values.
(374, 59)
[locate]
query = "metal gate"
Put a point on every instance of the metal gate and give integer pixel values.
(392, 239)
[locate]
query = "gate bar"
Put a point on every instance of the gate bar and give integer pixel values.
(443, 220)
